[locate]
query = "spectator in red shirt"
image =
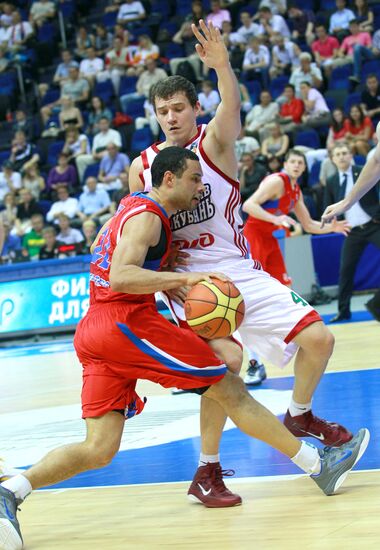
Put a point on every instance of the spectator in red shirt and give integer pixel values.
(359, 131)
(338, 129)
(291, 111)
(325, 49)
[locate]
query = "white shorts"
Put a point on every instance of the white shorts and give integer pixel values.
(274, 314)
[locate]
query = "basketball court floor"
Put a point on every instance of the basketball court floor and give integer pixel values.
(139, 501)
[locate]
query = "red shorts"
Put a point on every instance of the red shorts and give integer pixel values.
(119, 343)
(265, 248)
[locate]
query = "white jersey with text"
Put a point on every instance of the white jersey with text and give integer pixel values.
(213, 231)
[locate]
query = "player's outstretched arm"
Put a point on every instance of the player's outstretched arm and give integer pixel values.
(368, 177)
(213, 53)
(127, 274)
(269, 189)
(313, 226)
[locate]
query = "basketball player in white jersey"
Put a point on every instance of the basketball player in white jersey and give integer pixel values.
(277, 321)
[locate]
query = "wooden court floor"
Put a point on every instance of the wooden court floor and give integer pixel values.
(281, 513)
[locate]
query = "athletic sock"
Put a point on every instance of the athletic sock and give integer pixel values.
(19, 485)
(252, 356)
(308, 459)
(203, 459)
(296, 409)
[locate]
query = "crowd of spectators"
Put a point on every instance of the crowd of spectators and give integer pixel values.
(308, 73)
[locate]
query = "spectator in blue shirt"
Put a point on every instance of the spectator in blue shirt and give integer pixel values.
(94, 203)
(111, 166)
(340, 20)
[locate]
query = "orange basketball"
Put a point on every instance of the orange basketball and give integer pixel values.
(214, 310)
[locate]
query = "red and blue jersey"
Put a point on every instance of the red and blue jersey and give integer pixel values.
(132, 205)
(278, 207)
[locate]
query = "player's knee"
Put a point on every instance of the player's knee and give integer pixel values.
(100, 455)
(319, 340)
(234, 359)
(232, 390)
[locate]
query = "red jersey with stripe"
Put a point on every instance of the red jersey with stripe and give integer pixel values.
(213, 231)
(132, 205)
(278, 207)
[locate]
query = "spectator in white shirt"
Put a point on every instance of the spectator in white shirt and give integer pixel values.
(270, 24)
(276, 6)
(248, 28)
(130, 12)
(261, 116)
(256, 62)
(41, 11)
(285, 56)
(99, 146)
(307, 72)
(93, 202)
(246, 144)
(18, 33)
(91, 66)
(208, 98)
(316, 112)
(67, 234)
(340, 20)
(64, 205)
(10, 181)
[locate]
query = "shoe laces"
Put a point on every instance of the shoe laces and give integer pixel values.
(329, 427)
(217, 475)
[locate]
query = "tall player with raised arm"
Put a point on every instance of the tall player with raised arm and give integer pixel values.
(277, 321)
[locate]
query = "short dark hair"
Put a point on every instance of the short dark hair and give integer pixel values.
(372, 75)
(172, 85)
(290, 86)
(171, 159)
(296, 153)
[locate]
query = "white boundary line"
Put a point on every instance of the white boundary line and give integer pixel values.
(236, 481)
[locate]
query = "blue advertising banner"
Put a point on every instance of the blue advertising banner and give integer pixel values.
(43, 303)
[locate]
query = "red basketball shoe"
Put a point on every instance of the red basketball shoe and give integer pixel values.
(307, 424)
(208, 487)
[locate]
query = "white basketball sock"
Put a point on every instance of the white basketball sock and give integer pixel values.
(203, 459)
(296, 409)
(308, 458)
(19, 485)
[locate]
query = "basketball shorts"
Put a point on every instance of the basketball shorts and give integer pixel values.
(274, 314)
(266, 249)
(118, 344)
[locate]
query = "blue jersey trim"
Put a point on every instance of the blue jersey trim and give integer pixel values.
(145, 196)
(142, 346)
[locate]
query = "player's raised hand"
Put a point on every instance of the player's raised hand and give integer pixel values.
(211, 48)
(333, 211)
(340, 227)
(197, 277)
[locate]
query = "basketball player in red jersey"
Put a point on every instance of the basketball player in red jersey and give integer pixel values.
(123, 338)
(268, 209)
(277, 323)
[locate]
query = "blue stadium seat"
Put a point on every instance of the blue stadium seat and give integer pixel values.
(45, 206)
(105, 91)
(314, 174)
(351, 100)
(308, 138)
(183, 7)
(51, 95)
(141, 139)
(254, 89)
(53, 152)
(46, 33)
(109, 19)
(174, 50)
(92, 170)
(339, 77)
(369, 67)
(359, 160)
(127, 85)
(135, 108)
(277, 85)
(4, 155)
